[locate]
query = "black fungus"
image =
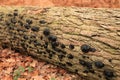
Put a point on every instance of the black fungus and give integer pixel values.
(83, 56)
(8, 23)
(15, 10)
(53, 52)
(92, 71)
(23, 44)
(86, 71)
(99, 76)
(99, 64)
(46, 43)
(50, 55)
(76, 71)
(17, 50)
(36, 43)
(54, 44)
(20, 22)
(41, 37)
(10, 15)
(18, 29)
(85, 63)
(108, 73)
(39, 51)
(42, 21)
(62, 46)
(46, 32)
(30, 41)
(82, 62)
(52, 38)
(5, 45)
(21, 17)
(57, 49)
(71, 46)
(70, 56)
(45, 46)
(47, 50)
(44, 52)
(92, 49)
(89, 65)
(36, 29)
(69, 64)
(27, 26)
(29, 21)
(1, 19)
(110, 60)
(85, 48)
(15, 13)
(61, 64)
(11, 27)
(13, 20)
(25, 37)
(61, 56)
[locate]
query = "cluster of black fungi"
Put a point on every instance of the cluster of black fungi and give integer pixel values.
(54, 43)
(84, 48)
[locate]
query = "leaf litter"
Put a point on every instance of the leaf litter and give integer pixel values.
(15, 66)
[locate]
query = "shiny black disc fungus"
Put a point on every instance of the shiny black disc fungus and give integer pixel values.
(62, 46)
(70, 56)
(108, 73)
(29, 21)
(46, 32)
(71, 46)
(85, 48)
(52, 38)
(35, 29)
(27, 26)
(99, 64)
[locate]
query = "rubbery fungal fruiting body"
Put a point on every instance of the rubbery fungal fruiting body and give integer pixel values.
(99, 64)
(15, 13)
(42, 21)
(85, 48)
(62, 46)
(35, 29)
(70, 56)
(52, 38)
(71, 46)
(29, 21)
(108, 74)
(27, 26)
(46, 32)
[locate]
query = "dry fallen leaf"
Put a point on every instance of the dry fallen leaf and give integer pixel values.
(33, 69)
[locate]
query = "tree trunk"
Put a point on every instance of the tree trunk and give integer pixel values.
(97, 28)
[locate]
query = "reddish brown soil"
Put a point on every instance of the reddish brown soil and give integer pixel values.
(79, 3)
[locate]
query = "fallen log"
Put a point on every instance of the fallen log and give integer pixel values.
(85, 41)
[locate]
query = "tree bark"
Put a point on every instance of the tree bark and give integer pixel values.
(98, 28)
